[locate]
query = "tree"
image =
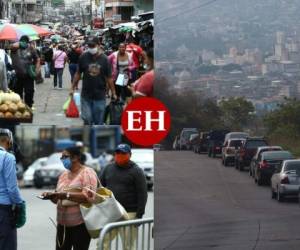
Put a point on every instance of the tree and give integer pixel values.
(188, 109)
(236, 112)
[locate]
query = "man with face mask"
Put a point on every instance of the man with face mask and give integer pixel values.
(10, 199)
(96, 75)
(128, 183)
(23, 58)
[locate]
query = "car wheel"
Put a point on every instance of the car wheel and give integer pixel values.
(279, 196)
(273, 194)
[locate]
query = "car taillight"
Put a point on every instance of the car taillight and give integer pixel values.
(264, 164)
(285, 180)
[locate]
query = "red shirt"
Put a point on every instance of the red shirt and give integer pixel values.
(144, 85)
(135, 51)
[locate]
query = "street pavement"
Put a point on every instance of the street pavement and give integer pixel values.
(39, 232)
(200, 204)
(48, 102)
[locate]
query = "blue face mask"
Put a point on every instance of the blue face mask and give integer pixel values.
(67, 163)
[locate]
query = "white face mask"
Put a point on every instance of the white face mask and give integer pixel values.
(93, 51)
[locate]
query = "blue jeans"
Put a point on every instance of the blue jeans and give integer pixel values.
(72, 69)
(8, 232)
(59, 74)
(47, 69)
(92, 111)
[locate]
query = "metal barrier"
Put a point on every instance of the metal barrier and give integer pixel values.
(127, 235)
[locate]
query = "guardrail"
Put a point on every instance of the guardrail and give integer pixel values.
(127, 235)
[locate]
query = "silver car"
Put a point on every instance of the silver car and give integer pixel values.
(286, 180)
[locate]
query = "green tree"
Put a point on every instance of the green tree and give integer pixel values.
(188, 109)
(236, 112)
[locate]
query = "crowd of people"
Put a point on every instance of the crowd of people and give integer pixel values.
(106, 76)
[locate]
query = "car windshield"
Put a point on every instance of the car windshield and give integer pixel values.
(293, 166)
(235, 143)
(280, 155)
(142, 156)
(255, 144)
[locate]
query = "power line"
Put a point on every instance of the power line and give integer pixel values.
(186, 11)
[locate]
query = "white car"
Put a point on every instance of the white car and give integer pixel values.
(229, 150)
(29, 173)
(144, 158)
(286, 180)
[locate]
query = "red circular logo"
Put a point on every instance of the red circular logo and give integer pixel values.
(146, 121)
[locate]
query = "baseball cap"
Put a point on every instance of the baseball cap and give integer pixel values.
(93, 40)
(123, 148)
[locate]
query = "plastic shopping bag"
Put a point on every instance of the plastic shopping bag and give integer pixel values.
(72, 110)
(66, 104)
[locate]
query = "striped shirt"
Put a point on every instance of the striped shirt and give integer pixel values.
(71, 215)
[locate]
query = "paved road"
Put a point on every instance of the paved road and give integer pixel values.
(39, 232)
(199, 204)
(48, 103)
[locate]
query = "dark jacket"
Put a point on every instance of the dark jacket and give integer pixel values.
(128, 185)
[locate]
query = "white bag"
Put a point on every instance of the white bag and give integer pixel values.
(97, 215)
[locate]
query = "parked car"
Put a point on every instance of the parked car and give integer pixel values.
(92, 162)
(201, 144)
(286, 180)
(144, 158)
(185, 136)
(191, 141)
(229, 150)
(236, 135)
(29, 173)
(215, 142)
(259, 151)
(268, 162)
(247, 150)
(49, 174)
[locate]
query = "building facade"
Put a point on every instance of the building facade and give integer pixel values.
(5, 9)
(141, 6)
(26, 11)
(118, 11)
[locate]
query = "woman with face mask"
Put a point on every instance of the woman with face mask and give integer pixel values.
(122, 64)
(72, 189)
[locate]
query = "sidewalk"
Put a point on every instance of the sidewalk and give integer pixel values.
(48, 103)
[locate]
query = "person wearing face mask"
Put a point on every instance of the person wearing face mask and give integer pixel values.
(122, 64)
(96, 75)
(23, 58)
(143, 87)
(71, 230)
(10, 198)
(128, 183)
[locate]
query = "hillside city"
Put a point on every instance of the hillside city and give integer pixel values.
(238, 49)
